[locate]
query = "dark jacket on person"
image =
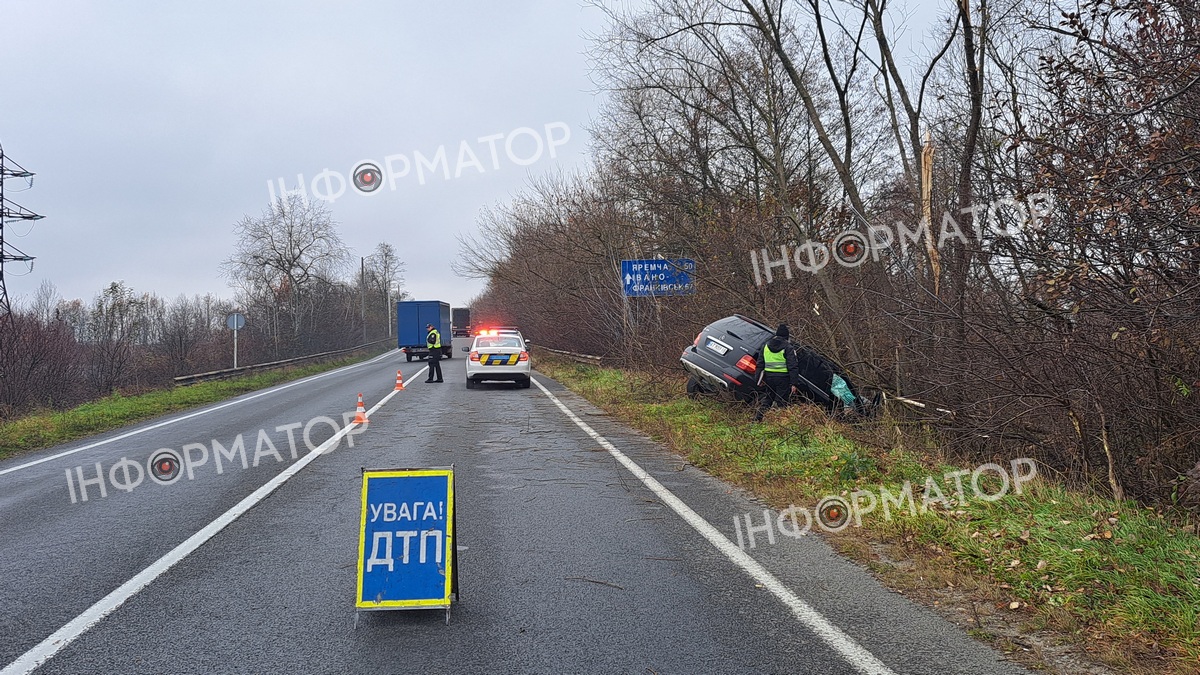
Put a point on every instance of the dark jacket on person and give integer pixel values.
(777, 343)
(431, 338)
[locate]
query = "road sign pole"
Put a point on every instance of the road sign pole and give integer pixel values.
(235, 322)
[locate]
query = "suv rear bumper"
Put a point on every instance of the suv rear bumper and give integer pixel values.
(714, 377)
(706, 378)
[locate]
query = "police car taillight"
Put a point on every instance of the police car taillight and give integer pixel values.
(474, 356)
(523, 357)
(747, 365)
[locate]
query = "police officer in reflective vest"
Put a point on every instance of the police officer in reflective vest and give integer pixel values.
(434, 341)
(779, 371)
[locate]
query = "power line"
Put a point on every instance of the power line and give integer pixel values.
(9, 212)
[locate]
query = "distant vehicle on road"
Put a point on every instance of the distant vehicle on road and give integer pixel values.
(498, 356)
(411, 318)
(721, 362)
(460, 320)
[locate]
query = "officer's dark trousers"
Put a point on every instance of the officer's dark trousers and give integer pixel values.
(435, 366)
(777, 388)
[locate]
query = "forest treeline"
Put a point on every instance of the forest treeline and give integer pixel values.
(1003, 222)
(295, 281)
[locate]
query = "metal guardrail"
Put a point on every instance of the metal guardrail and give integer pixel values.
(184, 380)
(580, 358)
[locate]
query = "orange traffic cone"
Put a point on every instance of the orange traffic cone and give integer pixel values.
(399, 381)
(360, 415)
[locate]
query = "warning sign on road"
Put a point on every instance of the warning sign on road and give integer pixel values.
(406, 551)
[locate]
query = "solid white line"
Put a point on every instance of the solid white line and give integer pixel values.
(188, 416)
(855, 654)
(388, 398)
(64, 636)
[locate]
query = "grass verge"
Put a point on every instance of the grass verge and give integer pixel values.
(1030, 573)
(47, 428)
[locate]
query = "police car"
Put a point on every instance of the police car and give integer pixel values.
(498, 356)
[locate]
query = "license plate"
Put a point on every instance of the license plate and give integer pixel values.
(717, 347)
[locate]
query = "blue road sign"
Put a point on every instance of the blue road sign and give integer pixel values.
(672, 276)
(406, 542)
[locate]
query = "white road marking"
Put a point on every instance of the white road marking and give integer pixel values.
(385, 398)
(862, 660)
(64, 636)
(188, 416)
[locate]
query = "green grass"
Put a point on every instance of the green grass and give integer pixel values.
(1088, 568)
(1105, 564)
(47, 428)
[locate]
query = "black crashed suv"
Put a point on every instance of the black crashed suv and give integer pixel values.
(721, 362)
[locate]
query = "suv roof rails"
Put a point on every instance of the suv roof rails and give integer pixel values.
(755, 322)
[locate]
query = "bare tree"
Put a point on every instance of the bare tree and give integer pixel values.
(286, 254)
(385, 277)
(113, 322)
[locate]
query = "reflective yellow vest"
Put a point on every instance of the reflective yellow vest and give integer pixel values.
(434, 339)
(776, 362)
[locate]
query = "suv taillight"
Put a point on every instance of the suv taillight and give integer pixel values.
(747, 365)
(696, 342)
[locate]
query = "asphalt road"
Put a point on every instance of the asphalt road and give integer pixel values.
(578, 551)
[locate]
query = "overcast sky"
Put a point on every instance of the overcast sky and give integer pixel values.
(154, 126)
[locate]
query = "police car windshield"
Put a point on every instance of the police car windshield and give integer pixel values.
(498, 341)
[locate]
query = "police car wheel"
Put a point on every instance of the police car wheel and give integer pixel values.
(525, 383)
(470, 383)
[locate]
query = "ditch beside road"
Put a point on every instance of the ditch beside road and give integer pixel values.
(1053, 577)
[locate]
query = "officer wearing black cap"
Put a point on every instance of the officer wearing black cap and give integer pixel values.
(779, 371)
(434, 341)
